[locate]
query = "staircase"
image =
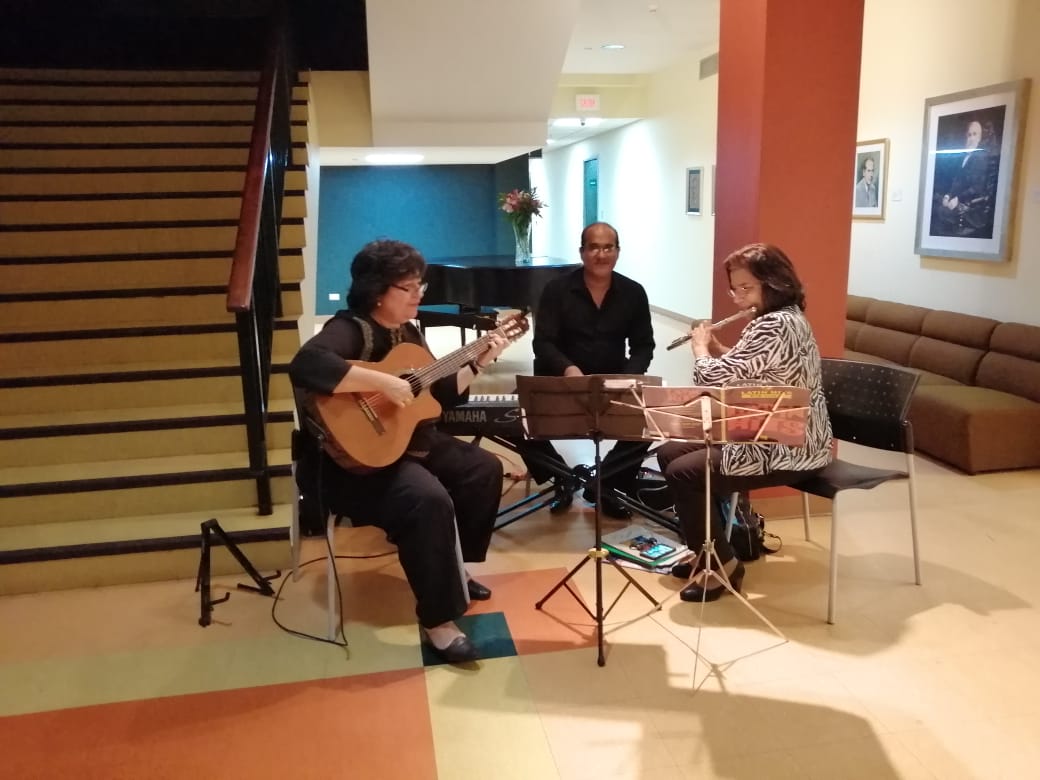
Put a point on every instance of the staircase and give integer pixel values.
(122, 421)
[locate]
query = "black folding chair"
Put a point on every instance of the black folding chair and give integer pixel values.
(868, 405)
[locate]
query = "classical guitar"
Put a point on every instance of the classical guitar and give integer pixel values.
(373, 431)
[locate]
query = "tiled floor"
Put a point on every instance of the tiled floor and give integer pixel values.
(937, 681)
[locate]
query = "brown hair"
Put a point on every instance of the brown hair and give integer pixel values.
(768, 264)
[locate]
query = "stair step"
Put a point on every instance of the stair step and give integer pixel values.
(146, 548)
(80, 181)
(88, 349)
(89, 491)
(144, 308)
(135, 132)
(128, 272)
(142, 156)
(57, 444)
(222, 206)
(107, 389)
(142, 93)
(195, 110)
(87, 75)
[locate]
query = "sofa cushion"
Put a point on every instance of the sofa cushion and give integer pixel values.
(852, 328)
(892, 345)
(897, 316)
(1010, 374)
(1014, 338)
(966, 329)
(942, 357)
(856, 307)
(974, 428)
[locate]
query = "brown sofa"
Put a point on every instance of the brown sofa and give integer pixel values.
(977, 405)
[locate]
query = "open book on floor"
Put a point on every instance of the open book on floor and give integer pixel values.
(652, 550)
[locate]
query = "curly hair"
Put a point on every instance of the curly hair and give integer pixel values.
(781, 286)
(378, 265)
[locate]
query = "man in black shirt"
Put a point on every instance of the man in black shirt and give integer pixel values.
(585, 323)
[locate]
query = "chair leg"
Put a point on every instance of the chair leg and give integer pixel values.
(832, 588)
(732, 514)
(462, 564)
(912, 488)
(332, 605)
(805, 517)
(294, 533)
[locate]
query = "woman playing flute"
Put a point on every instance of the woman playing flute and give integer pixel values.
(776, 348)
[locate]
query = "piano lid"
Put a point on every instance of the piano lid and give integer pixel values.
(491, 280)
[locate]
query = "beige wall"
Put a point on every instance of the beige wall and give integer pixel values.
(913, 51)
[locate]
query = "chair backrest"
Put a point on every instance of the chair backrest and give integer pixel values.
(868, 403)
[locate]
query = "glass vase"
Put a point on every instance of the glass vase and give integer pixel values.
(522, 232)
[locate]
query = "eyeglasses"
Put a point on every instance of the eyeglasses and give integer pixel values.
(742, 290)
(413, 289)
(595, 249)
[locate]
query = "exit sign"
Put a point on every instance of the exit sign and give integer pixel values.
(586, 102)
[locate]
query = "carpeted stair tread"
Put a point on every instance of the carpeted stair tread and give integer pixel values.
(129, 272)
(117, 529)
(155, 208)
(122, 372)
(125, 312)
(103, 75)
(13, 477)
(136, 132)
(25, 156)
(141, 416)
(81, 181)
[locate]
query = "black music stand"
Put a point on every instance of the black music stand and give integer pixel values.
(586, 407)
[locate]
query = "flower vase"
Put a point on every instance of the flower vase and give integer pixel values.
(522, 231)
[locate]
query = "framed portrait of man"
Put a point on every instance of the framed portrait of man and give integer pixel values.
(870, 181)
(969, 162)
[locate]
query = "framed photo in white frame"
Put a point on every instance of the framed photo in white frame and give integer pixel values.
(870, 183)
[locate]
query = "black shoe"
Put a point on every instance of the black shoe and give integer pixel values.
(478, 592)
(696, 592)
(460, 651)
(562, 502)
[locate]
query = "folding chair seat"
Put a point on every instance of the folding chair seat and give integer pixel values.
(868, 405)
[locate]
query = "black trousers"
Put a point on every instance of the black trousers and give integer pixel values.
(620, 474)
(684, 465)
(419, 502)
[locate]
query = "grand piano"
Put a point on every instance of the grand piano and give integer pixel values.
(490, 280)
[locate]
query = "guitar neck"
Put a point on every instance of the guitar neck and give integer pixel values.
(452, 362)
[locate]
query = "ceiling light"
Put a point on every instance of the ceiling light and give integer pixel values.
(393, 158)
(613, 46)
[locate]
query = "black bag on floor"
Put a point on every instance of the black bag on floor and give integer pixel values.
(748, 537)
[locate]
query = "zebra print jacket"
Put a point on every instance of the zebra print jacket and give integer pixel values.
(777, 348)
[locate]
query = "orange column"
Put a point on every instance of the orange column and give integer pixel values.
(788, 103)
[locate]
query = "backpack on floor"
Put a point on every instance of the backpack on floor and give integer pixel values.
(748, 536)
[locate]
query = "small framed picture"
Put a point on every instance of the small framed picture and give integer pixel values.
(969, 168)
(870, 182)
(693, 190)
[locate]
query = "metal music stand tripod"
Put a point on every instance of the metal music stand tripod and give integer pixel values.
(584, 407)
(703, 415)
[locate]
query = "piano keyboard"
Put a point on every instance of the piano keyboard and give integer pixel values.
(484, 415)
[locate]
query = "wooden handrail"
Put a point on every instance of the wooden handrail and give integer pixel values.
(243, 262)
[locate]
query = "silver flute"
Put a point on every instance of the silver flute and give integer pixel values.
(715, 326)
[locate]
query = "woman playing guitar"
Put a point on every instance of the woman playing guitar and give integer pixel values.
(368, 382)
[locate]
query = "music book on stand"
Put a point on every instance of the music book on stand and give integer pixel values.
(649, 550)
(763, 414)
